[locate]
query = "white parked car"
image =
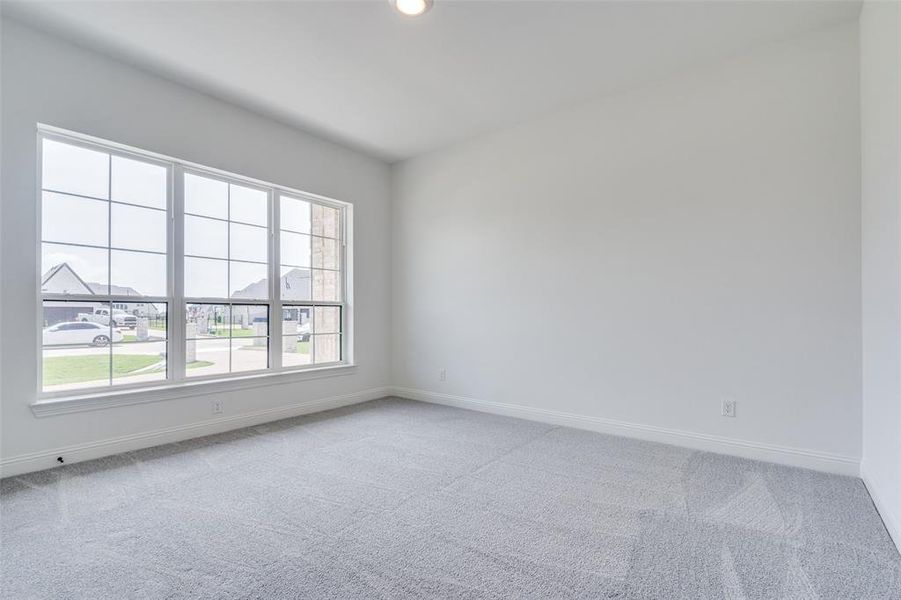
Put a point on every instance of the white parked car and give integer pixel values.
(80, 332)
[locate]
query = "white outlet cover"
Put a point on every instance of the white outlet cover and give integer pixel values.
(728, 409)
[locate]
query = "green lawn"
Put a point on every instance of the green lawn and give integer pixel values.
(77, 369)
(197, 364)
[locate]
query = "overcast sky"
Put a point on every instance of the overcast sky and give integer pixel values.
(79, 224)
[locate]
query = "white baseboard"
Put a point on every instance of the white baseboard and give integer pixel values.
(36, 461)
(796, 457)
(811, 459)
(889, 517)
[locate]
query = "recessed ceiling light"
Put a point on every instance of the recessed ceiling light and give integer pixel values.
(412, 8)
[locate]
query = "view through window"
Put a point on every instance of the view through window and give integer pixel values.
(109, 260)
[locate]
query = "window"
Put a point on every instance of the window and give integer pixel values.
(252, 274)
(310, 282)
(226, 246)
(104, 244)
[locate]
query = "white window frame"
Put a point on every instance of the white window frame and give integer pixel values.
(177, 384)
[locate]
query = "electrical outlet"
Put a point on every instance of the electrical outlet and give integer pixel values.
(442, 375)
(217, 407)
(728, 408)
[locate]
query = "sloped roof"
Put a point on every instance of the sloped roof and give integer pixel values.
(64, 267)
(296, 279)
(114, 290)
(89, 287)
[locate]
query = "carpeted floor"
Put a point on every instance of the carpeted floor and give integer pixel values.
(398, 499)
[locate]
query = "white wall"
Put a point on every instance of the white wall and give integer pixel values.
(880, 92)
(49, 81)
(641, 257)
(633, 260)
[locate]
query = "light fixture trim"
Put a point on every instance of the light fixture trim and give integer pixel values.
(412, 8)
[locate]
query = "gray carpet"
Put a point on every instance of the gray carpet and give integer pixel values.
(398, 499)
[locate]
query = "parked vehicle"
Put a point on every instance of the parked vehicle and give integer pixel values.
(80, 332)
(302, 332)
(102, 316)
(301, 316)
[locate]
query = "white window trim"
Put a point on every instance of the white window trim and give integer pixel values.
(177, 384)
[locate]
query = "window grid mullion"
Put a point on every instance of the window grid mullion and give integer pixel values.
(275, 325)
(177, 322)
(109, 258)
(228, 273)
(313, 336)
(312, 264)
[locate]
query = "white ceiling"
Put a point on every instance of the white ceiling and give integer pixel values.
(363, 74)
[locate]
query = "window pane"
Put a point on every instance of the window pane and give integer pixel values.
(77, 367)
(75, 220)
(76, 338)
(249, 205)
(204, 196)
(207, 320)
(57, 312)
(249, 280)
(139, 362)
(141, 321)
(295, 283)
(206, 237)
(296, 321)
(295, 249)
(327, 319)
(136, 228)
(325, 253)
(206, 278)
(249, 354)
(138, 182)
(296, 351)
(294, 214)
(326, 348)
(74, 269)
(325, 221)
(248, 243)
(137, 273)
(73, 169)
(325, 285)
(249, 320)
(206, 357)
(74, 323)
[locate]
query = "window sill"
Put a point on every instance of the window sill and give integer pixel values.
(46, 407)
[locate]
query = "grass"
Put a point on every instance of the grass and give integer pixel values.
(95, 367)
(60, 370)
(77, 369)
(197, 364)
(129, 337)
